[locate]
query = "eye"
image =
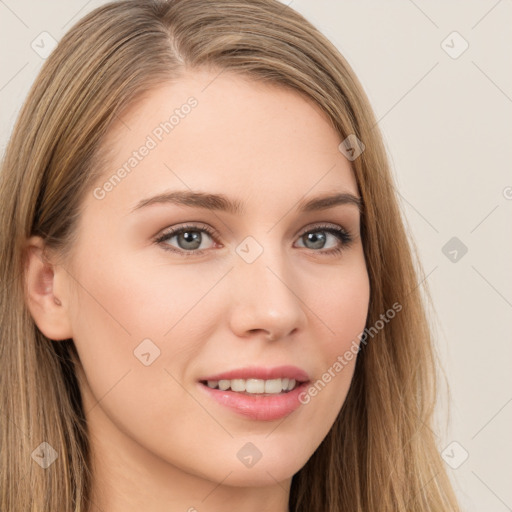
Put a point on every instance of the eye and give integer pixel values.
(190, 238)
(319, 235)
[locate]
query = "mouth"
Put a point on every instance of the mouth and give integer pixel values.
(258, 380)
(255, 387)
(257, 393)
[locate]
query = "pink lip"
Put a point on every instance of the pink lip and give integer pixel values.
(264, 407)
(259, 372)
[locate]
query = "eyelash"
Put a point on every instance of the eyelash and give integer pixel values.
(343, 235)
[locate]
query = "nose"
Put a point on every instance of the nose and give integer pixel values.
(265, 298)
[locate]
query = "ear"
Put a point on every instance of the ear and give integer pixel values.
(45, 286)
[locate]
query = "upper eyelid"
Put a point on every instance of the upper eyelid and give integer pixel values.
(192, 226)
(210, 230)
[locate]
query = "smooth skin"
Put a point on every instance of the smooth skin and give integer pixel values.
(159, 443)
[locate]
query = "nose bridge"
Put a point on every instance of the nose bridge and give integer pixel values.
(264, 294)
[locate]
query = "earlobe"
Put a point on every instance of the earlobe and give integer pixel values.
(44, 289)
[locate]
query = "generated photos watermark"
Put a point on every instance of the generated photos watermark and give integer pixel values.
(152, 140)
(343, 360)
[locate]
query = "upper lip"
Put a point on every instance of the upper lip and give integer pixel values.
(260, 372)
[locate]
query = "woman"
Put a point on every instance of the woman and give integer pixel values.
(208, 294)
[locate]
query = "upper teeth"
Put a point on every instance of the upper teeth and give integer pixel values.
(254, 385)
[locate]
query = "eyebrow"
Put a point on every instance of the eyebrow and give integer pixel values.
(221, 203)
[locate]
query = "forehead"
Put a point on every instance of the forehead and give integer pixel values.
(223, 133)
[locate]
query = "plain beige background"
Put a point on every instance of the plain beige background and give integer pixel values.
(444, 104)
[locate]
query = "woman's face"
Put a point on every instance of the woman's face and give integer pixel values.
(272, 285)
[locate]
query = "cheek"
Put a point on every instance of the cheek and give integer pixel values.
(342, 309)
(140, 319)
(137, 300)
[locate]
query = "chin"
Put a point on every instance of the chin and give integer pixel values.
(261, 475)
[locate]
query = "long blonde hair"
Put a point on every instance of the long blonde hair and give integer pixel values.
(381, 453)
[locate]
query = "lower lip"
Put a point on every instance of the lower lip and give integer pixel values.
(258, 407)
